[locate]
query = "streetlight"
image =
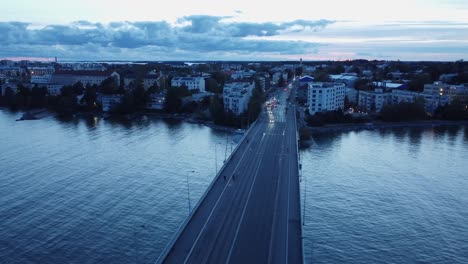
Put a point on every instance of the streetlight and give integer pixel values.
(188, 191)
(441, 92)
(216, 157)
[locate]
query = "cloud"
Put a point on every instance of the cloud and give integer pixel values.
(197, 33)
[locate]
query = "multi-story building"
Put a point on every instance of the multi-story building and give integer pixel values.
(38, 71)
(85, 77)
(148, 80)
(326, 97)
(236, 96)
(41, 79)
(371, 101)
(54, 89)
(110, 101)
(157, 101)
(348, 79)
(433, 95)
(192, 83)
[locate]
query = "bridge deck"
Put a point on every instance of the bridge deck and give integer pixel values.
(251, 212)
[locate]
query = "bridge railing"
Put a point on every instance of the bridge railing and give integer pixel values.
(181, 228)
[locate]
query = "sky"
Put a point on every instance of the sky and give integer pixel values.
(247, 30)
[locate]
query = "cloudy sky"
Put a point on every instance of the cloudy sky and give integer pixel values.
(234, 30)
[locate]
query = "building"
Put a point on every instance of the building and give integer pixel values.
(108, 102)
(85, 77)
(38, 71)
(373, 101)
(302, 91)
(348, 79)
(352, 95)
(326, 97)
(236, 96)
(41, 79)
(148, 80)
(433, 95)
(389, 85)
(157, 101)
(239, 75)
(54, 89)
(192, 83)
(278, 75)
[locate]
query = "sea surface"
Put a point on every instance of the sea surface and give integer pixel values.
(387, 196)
(101, 191)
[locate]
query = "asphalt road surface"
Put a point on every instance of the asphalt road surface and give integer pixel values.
(251, 213)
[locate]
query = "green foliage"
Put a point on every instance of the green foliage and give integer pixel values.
(217, 110)
(173, 100)
(331, 117)
(404, 111)
(220, 77)
(417, 82)
(321, 76)
(108, 86)
(362, 84)
(213, 86)
(78, 88)
(299, 71)
(281, 81)
(335, 69)
(457, 110)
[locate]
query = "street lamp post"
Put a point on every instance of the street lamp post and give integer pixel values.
(188, 191)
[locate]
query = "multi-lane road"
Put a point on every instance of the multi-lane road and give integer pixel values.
(251, 211)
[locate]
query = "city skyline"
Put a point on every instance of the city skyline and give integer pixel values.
(240, 30)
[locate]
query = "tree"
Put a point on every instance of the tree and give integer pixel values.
(108, 86)
(217, 110)
(299, 71)
(213, 86)
(404, 111)
(38, 96)
(281, 80)
(173, 100)
(362, 84)
(321, 76)
(78, 88)
(418, 81)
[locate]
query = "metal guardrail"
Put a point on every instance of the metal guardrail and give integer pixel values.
(174, 238)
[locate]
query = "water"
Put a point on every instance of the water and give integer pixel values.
(95, 191)
(390, 196)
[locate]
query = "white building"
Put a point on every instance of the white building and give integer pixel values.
(41, 79)
(326, 97)
(374, 100)
(277, 76)
(239, 75)
(192, 83)
(236, 96)
(352, 95)
(348, 79)
(148, 80)
(110, 101)
(54, 89)
(157, 101)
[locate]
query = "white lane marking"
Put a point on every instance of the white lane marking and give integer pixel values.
(217, 202)
(243, 212)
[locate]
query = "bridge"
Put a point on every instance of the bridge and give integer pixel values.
(251, 211)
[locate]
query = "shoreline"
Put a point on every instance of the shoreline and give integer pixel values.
(37, 114)
(383, 125)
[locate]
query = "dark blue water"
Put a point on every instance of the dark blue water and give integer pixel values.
(100, 191)
(95, 191)
(390, 196)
